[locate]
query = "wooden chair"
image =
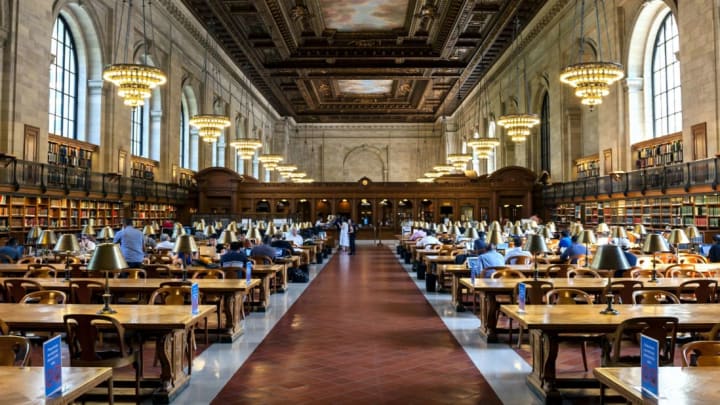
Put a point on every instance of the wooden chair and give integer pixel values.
(28, 260)
(177, 295)
(86, 348)
(518, 260)
(686, 270)
(571, 296)
(578, 260)
(131, 297)
(665, 257)
(262, 259)
(645, 273)
(17, 288)
(492, 270)
(701, 353)
(212, 299)
(623, 290)
(692, 258)
(6, 259)
(583, 273)
(654, 297)
(534, 295)
(507, 273)
(157, 270)
(78, 270)
(558, 270)
(4, 328)
(44, 297)
(86, 291)
(661, 328)
(37, 270)
(714, 333)
(133, 274)
(14, 351)
(703, 291)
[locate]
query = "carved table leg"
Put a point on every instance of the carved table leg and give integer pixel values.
(543, 376)
(172, 349)
(488, 316)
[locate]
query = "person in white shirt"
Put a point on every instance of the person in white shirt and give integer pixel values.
(86, 243)
(428, 240)
(294, 238)
(164, 242)
(517, 250)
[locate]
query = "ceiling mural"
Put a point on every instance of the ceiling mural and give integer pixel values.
(365, 86)
(364, 60)
(364, 15)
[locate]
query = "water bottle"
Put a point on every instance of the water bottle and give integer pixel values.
(248, 272)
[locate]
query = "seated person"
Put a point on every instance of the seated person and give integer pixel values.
(714, 251)
(263, 248)
(418, 234)
(480, 245)
(86, 243)
(491, 258)
(164, 242)
(631, 258)
(565, 241)
(11, 250)
(575, 249)
(235, 257)
(517, 249)
(428, 240)
(294, 238)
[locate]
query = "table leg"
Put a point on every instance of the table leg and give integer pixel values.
(455, 292)
(543, 377)
(488, 317)
(111, 396)
(172, 348)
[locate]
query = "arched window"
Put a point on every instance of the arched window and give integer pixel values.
(666, 96)
(63, 82)
(137, 131)
(545, 133)
(184, 157)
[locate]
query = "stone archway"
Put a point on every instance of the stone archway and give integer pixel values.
(364, 161)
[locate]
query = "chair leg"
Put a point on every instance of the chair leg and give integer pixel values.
(520, 335)
(583, 349)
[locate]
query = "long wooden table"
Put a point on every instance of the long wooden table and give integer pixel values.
(265, 273)
(233, 292)
(546, 322)
(170, 324)
(488, 290)
(26, 385)
(677, 385)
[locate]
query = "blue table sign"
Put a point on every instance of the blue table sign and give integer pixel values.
(248, 272)
(521, 297)
(195, 298)
(52, 363)
(473, 264)
(649, 357)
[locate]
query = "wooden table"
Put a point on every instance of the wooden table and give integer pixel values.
(488, 289)
(233, 292)
(26, 385)
(170, 324)
(677, 385)
(265, 273)
(546, 322)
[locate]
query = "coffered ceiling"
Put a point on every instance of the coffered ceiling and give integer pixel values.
(364, 60)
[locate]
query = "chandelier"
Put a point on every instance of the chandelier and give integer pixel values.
(458, 160)
(246, 147)
(270, 161)
(304, 181)
(432, 175)
(209, 126)
(444, 169)
(295, 176)
(592, 79)
(518, 126)
(285, 169)
(135, 82)
(425, 180)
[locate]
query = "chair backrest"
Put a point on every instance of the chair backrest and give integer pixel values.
(14, 351)
(714, 332)
(262, 259)
(704, 289)
(692, 258)
(157, 270)
(171, 295)
(583, 273)
(28, 260)
(665, 257)
(686, 270)
(44, 297)
(6, 259)
(507, 273)
(567, 296)
(534, 291)
(16, 288)
(134, 274)
(209, 273)
(36, 270)
(233, 271)
(82, 291)
(83, 331)
(558, 270)
(654, 297)
(623, 289)
(580, 260)
(661, 328)
(518, 260)
(645, 273)
(78, 270)
(701, 353)
(4, 328)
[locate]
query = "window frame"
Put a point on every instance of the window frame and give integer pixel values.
(660, 121)
(68, 43)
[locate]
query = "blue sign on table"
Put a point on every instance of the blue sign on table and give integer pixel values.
(195, 298)
(521, 297)
(473, 264)
(52, 363)
(649, 357)
(248, 272)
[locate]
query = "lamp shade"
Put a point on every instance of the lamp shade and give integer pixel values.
(602, 227)
(185, 244)
(148, 230)
(655, 243)
(609, 257)
(587, 236)
(677, 237)
(106, 233)
(495, 237)
(88, 230)
(692, 232)
(67, 243)
(261, 225)
(517, 230)
(481, 227)
(640, 229)
(618, 232)
(455, 230)
(107, 257)
(255, 234)
(271, 229)
(227, 237)
(209, 230)
(34, 232)
(177, 232)
(471, 233)
(546, 233)
(535, 244)
(47, 238)
(551, 226)
(576, 228)
(495, 225)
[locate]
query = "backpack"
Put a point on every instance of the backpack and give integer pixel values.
(298, 276)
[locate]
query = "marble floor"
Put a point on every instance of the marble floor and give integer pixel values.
(503, 368)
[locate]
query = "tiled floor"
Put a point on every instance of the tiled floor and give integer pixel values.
(364, 335)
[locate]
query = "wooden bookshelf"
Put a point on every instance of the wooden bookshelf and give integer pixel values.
(65, 153)
(661, 151)
(142, 168)
(144, 213)
(186, 178)
(588, 166)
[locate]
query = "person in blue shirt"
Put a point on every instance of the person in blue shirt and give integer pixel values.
(131, 242)
(714, 252)
(574, 250)
(565, 241)
(11, 250)
(480, 246)
(235, 257)
(631, 258)
(491, 258)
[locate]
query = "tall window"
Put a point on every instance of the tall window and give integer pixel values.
(545, 134)
(63, 82)
(666, 97)
(184, 158)
(136, 130)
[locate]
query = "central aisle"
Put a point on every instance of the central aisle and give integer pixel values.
(361, 333)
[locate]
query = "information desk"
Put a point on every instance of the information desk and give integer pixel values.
(171, 325)
(26, 385)
(546, 322)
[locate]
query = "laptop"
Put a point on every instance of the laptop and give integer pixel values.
(247, 251)
(279, 252)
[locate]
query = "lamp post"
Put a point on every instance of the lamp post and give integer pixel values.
(676, 238)
(107, 257)
(186, 245)
(654, 243)
(610, 258)
(66, 245)
(535, 244)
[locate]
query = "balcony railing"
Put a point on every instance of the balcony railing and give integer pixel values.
(683, 175)
(21, 174)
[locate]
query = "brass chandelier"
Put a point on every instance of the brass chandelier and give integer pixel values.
(458, 160)
(483, 145)
(592, 79)
(246, 147)
(210, 126)
(270, 161)
(135, 81)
